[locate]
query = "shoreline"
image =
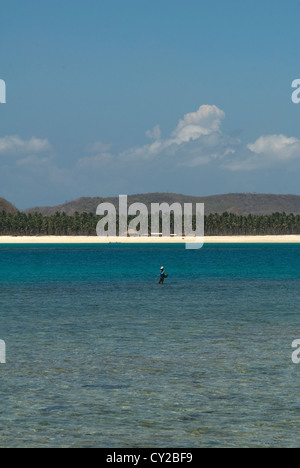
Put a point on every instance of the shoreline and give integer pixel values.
(284, 239)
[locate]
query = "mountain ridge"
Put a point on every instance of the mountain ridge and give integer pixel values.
(237, 203)
(7, 207)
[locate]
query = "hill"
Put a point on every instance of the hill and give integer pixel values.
(237, 203)
(7, 207)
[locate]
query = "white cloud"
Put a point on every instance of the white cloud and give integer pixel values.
(276, 147)
(33, 160)
(14, 146)
(154, 134)
(99, 147)
(196, 146)
(96, 162)
(196, 141)
(205, 121)
(194, 127)
(266, 152)
(100, 156)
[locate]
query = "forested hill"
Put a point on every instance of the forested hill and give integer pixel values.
(232, 214)
(236, 203)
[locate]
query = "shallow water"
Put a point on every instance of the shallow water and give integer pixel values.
(99, 355)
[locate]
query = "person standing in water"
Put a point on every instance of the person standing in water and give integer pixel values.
(162, 276)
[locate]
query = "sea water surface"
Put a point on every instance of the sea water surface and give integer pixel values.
(100, 355)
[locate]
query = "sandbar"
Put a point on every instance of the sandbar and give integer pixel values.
(282, 239)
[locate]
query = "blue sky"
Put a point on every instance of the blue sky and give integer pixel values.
(106, 97)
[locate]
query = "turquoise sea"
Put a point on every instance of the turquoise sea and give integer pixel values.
(100, 355)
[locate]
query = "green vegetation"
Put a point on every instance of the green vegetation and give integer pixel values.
(84, 224)
(23, 224)
(231, 224)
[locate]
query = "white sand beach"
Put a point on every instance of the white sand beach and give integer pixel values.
(291, 239)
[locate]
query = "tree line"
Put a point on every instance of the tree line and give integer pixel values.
(84, 224)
